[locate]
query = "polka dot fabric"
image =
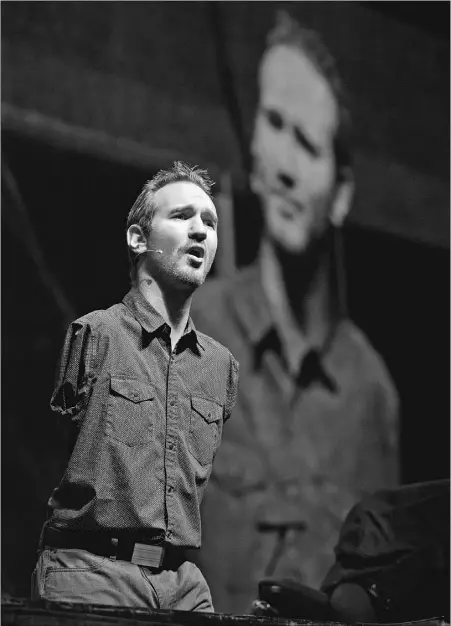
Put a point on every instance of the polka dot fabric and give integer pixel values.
(145, 423)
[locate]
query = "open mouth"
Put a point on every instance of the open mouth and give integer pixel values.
(286, 211)
(196, 255)
(196, 251)
(287, 205)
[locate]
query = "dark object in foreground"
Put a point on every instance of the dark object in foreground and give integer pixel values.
(20, 612)
(288, 598)
(392, 563)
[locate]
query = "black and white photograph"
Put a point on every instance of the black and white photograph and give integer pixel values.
(225, 312)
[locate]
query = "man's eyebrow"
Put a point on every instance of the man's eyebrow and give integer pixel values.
(303, 137)
(187, 207)
(212, 214)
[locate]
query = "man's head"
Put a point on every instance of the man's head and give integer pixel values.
(174, 214)
(300, 146)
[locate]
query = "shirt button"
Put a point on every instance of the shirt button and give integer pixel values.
(170, 489)
(172, 402)
(171, 446)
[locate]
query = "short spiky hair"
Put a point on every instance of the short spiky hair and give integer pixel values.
(289, 33)
(143, 209)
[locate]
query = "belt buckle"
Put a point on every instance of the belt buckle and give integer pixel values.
(149, 556)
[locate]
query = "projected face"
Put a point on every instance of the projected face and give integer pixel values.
(292, 147)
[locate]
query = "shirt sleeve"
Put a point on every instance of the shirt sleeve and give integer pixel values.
(232, 387)
(75, 372)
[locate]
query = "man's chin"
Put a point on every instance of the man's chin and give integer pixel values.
(292, 250)
(289, 246)
(291, 237)
(191, 279)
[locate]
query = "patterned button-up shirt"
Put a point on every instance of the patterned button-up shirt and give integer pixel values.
(145, 422)
(300, 450)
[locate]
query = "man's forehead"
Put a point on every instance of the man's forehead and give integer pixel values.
(182, 193)
(291, 84)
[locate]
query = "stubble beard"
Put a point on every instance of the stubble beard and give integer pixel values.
(187, 278)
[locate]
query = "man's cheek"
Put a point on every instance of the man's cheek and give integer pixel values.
(213, 247)
(263, 143)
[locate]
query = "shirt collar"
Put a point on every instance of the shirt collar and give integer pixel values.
(251, 305)
(151, 320)
(253, 312)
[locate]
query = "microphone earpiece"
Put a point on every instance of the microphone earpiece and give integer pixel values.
(150, 250)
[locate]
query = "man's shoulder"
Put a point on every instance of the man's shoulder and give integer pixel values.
(100, 319)
(368, 361)
(358, 340)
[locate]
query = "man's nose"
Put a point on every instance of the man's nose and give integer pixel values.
(198, 230)
(286, 180)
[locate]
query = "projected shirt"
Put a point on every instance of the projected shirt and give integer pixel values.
(300, 450)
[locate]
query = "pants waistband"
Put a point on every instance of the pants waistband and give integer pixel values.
(109, 544)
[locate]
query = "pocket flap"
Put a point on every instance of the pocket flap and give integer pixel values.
(210, 410)
(134, 390)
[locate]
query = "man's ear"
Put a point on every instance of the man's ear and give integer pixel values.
(342, 203)
(136, 240)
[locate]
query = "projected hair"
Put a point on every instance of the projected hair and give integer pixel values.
(288, 32)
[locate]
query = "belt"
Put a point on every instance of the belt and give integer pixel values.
(156, 555)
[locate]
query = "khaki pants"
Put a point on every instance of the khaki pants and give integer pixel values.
(80, 576)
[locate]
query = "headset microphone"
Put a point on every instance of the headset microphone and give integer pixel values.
(149, 250)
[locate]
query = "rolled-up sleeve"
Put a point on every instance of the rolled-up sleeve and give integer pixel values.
(232, 387)
(75, 372)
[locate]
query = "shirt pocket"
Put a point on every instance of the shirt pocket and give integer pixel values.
(205, 428)
(130, 411)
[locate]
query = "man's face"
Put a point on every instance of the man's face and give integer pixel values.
(294, 164)
(184, 228)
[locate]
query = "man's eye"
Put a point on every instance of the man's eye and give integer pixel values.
(275, 119)
(304, 142)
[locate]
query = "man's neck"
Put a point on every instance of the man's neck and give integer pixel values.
(298, 291)
(172, 304)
